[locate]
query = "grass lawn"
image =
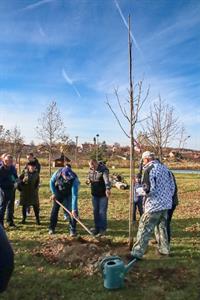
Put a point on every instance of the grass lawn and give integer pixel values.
(174, 277)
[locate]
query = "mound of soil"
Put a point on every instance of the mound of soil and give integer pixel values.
(79, 252)
(85, 254)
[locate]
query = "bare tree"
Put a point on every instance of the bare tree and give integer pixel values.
(50, 129)
(130, 113)
(16, 143)
(67, 146)
(3, 136)
(161, 126)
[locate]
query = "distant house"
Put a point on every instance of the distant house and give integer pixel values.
(175, 154)
(172, 154)
(191, 155)
(87, 147)
(61, 161)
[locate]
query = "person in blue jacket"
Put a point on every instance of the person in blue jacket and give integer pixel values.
(6, 260)
(64, 186)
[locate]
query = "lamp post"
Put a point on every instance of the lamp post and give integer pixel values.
(76, 150)
(97, 146)
(184, 141)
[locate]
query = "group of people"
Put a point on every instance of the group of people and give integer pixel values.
(27, 183)
(9, 181)
(64, 185)
(155, 191)
(155, 197)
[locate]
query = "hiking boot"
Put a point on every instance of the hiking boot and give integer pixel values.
(23, 221)
(12, 224)
(51, 231)
(162, 254)
(72, 234)
(94, 231)
(38, 222)
(101, 233)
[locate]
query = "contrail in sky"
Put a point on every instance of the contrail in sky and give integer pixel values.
(69, 81)
(126, 24)
(35, 5)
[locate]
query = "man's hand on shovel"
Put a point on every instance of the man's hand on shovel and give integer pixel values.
(53, 197)
(74, 214)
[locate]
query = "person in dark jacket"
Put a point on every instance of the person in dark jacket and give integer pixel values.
(32, 158)
(171, 211)
(64, 185)
(98, 178)
(8, 181)
(28, 187)
(6, 260)
(138, 199)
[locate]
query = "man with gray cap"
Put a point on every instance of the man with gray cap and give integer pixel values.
(158, 186)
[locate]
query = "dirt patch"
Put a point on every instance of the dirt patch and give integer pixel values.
(79, 252)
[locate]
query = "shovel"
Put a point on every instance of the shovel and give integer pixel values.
(77, 219)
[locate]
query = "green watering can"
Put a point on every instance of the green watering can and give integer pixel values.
(114, 271)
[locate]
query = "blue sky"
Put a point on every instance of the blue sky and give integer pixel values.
(75, 52)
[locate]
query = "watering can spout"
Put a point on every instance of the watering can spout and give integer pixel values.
(130, 264)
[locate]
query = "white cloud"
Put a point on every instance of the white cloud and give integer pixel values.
(126, 24)
(36, 5)
(70, 81)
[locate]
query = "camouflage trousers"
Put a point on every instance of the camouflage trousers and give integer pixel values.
(148, 222)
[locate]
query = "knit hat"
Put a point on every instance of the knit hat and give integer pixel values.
(68, 173)
(31, 163)
(147, 154)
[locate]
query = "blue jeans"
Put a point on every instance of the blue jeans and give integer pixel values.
(100, 206)
(67, 202)
(6, 260)
(6, 201)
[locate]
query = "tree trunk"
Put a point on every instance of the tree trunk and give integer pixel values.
(19, 162)
(132, 169)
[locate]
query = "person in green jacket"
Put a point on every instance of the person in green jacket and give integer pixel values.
(29, 187)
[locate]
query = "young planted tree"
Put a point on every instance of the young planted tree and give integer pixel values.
(50, 129)
(130, 113)
(16, 144)
(161, 126)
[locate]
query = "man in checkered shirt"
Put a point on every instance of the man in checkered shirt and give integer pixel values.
(158, 186)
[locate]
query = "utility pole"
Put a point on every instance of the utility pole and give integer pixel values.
(76, 149)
